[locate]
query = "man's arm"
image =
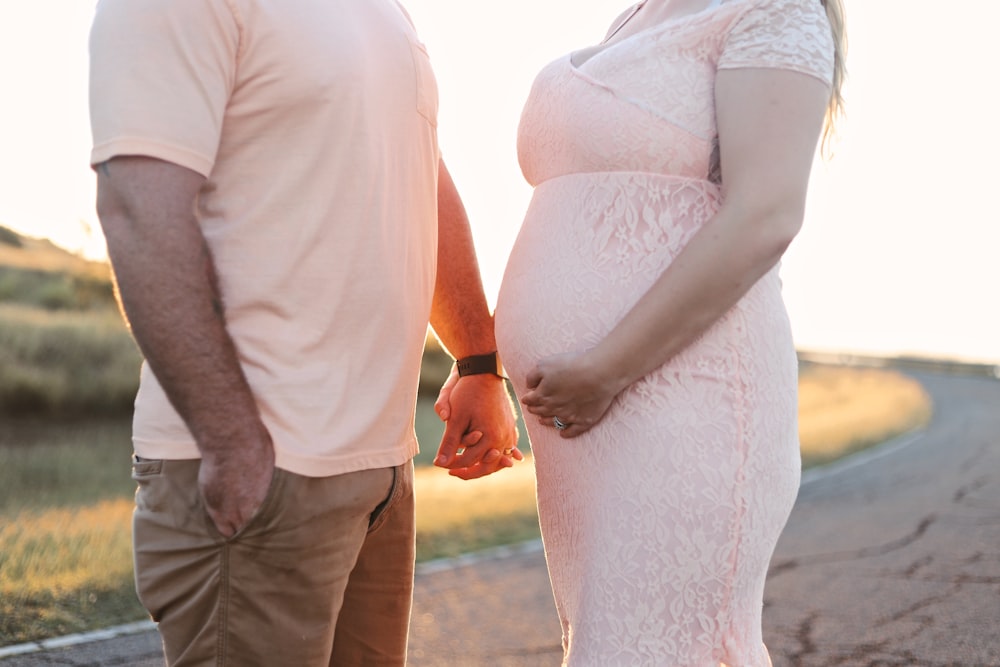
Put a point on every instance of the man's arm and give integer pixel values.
(169, 294)
(461, 319)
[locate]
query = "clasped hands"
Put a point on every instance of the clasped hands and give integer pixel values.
(480, 435)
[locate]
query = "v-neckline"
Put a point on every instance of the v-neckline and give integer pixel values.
(603, 46)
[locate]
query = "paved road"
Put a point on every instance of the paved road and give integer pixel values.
(897, 563)
(892, 563)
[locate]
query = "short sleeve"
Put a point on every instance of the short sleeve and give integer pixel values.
(161, 73)
(782, 34)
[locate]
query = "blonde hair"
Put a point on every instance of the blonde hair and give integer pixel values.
(835, 110)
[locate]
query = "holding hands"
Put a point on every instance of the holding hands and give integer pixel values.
(480, 434)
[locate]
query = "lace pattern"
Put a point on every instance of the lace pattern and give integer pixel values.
(659, 523)
(784, 34)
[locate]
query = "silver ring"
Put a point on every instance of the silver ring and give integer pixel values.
(558, 423)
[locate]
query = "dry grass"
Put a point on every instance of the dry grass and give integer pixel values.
(65, 362)
(62, 550)
(843, 409)
(455, 516)
(37, 273)
(62, 465)
(66, 570)
(64, 349)
(42, 255)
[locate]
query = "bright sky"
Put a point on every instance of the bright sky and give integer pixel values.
(901, 248)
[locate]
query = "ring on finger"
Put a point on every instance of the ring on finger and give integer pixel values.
(559, 424)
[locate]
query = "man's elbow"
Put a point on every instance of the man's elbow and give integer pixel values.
(113, 210)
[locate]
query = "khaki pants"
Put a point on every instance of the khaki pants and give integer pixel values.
(321, 576)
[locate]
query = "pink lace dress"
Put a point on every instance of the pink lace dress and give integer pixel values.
(658, 523)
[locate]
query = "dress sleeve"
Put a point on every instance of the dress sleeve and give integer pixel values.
(782, 34)
(161, 73)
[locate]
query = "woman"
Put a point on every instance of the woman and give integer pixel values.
(641, 322)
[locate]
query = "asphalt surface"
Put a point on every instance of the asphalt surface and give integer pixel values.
(892, 559)
(897, 562)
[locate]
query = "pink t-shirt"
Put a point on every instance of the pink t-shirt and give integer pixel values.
(315, 126)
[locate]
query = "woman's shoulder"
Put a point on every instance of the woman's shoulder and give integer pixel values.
(778, 15)
(788, 34)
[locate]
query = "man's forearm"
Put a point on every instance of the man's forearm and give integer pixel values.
(169, 293)
(178, 324)
(460, 315)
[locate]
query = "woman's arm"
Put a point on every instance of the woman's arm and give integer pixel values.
(768, 121)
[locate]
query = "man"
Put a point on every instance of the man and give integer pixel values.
(275, 208)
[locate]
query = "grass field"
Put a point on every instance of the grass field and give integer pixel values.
(64, 349)
(35, 272)
(842, 410)
(65, 499)
(65, 362)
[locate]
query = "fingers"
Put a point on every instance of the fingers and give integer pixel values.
(573, 430)
(454, 440)
(475, 472)
(542, 411)
(483, 469)
(492, 461)
(233, 493)
(534, 378)
(462, 454)
(230, 513)
(442, 406)
(531, 401)
(473, 455)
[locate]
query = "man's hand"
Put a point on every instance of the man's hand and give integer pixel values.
(481, 433)
(234, 483)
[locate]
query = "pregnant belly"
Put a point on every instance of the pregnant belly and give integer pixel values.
(590, 246)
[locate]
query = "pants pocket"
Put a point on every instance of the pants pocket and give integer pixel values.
(143, 468)
(151, 494)
(402, 486)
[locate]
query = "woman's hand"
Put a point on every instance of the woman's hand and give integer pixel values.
(572, 388)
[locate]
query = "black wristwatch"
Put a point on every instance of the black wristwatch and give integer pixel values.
(478, 364)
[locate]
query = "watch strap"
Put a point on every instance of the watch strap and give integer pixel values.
(479, 364)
